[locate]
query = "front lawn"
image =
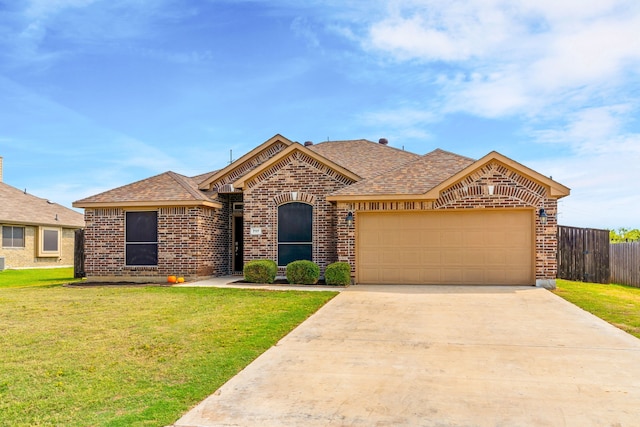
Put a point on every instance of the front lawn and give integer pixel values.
(131, 356)
(36, 277)
(617, 304)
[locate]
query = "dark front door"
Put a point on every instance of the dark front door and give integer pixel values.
(238, 261)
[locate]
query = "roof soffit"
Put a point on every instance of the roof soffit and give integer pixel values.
(295, 147)
(243, 165)
(148, 204)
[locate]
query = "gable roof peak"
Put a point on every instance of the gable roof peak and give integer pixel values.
(363, 157)
(439, 152)
(247, 162)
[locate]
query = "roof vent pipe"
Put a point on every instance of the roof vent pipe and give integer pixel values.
(308, 143)
(383, 141)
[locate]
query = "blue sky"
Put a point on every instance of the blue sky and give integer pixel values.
(95, 94)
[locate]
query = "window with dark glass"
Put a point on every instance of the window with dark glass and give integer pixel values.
(295, 232)
(141, 240)
(49, 241)
(12, 237)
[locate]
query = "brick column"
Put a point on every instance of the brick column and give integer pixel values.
(547, 244)
(346, 235)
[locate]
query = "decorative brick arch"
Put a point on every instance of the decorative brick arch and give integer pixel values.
(493, 184)
(294, 196)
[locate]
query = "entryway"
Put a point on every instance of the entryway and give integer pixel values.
(237, 259)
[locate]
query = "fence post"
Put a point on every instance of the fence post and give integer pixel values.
(78, 255)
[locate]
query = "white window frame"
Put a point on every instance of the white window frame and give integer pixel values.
(42, 253)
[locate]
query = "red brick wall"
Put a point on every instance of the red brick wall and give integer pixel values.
(192, 241)
(510, 190)
(297, 178)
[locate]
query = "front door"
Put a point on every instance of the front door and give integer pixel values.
(238, 247)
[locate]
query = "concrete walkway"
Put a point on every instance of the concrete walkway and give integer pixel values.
(437, 356)
(234, 282)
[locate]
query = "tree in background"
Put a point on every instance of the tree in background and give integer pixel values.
(624, 235)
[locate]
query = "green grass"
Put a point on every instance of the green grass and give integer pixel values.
(617, 304)
(36, 277)
(131, 356)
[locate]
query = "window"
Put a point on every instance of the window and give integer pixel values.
(48, 242)
(295, 232)
(12, 237)
(141, 238)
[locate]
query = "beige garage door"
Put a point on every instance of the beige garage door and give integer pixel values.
(468, 248)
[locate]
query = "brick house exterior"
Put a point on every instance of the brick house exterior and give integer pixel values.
(35, 232)
(211, 224)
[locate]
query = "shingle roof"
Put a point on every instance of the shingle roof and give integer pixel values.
(364, 158)
(203, 177)
(166, 187)
(18, 207)
(416, 177)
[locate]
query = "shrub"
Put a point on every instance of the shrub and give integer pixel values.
(303, 272)
(260, 271)
(338, 273)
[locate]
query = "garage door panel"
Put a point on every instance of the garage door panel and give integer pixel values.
(497, 257)
(446, 247)
(430, 237)
(452, 275)
(474, 238)
(431, 275)
(451, 238)
(516, 256)
(369, 257)
(451, 257)
(472, 275)
(474, 257)
(430, 257)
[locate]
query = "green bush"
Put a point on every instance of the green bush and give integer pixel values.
(303, 272)
(338, 273)
(260, 271)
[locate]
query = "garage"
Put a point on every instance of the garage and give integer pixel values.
(472, 247)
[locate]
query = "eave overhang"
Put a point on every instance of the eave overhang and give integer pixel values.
(147, 204)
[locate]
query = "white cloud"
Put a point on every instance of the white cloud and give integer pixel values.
(440, 30)
(603, 188)
(595, 130)
(515, 57)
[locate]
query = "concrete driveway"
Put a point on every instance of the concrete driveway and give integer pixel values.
(438, 356)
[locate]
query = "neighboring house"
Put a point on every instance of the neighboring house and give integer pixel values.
(36, 233)
(396, 217)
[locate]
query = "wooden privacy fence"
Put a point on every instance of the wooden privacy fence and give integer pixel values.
(625, 263)
(583, 254)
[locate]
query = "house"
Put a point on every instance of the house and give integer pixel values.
(36, 233)
(397, 217)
